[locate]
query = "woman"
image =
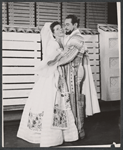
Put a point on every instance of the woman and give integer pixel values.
(47, 117)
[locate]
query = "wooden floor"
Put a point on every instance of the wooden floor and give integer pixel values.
(100, 129)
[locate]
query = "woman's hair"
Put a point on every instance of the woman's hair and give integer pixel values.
(53, 25)
(74, 19)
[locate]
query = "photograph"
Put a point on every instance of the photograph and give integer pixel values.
(61, 74)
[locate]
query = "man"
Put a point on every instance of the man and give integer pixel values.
(74, 73)
(77, 73)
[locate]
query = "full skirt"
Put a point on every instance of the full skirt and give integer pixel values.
(36, 122)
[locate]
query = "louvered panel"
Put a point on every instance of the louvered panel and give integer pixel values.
(47, 12)
(4, 13)
(48, 4)
(97, 17)
(20, 52)
(17, 62)
(73, 4)
(73, 10)
(17, 70)
(77, 9)
(94, 56)
(17, 86)
(14, 102)
(47, 15)
(96, 13)
(92, 45)
(16, 93)
(18, 79)
(18, 44)
(99, 5)
(27, 54)
(21, 13)
(27, 37)
(94, 63)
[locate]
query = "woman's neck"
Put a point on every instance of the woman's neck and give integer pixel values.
(59, 40)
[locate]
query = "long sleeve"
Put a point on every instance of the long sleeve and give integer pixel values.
(52, 50)
(50, 53)
(74, 46)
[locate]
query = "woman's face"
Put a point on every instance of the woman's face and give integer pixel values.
(58, 32)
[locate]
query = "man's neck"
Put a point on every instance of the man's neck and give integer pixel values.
(73, 32)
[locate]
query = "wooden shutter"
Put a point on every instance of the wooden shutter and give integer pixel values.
(77, 9)
(92, 45)
(96, 13)
(4, 13)
(21, 13)
(20, 52)
(47, 12)
(91, 40)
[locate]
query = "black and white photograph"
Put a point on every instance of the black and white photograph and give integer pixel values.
(61, 74)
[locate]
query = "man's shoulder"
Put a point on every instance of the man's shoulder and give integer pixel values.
(77, 35)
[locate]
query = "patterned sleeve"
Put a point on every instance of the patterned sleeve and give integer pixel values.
(76, 41)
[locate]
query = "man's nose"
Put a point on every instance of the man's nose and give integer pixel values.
(65, 27)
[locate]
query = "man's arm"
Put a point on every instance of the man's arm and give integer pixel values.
(74, 46)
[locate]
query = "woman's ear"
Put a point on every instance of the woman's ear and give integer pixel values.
(53, 35)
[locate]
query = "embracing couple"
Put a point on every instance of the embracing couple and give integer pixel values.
(54, 111)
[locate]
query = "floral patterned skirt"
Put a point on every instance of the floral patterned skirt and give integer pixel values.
(43, 120)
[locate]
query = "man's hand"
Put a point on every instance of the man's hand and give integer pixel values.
(60, 50)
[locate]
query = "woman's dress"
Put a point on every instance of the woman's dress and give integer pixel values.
(37, 118)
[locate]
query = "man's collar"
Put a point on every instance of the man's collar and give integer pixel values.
(75, 32)
(67, 37)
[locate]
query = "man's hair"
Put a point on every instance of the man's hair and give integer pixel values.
(53, 25)
(74, 19)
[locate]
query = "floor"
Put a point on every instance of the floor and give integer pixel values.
(100, 129)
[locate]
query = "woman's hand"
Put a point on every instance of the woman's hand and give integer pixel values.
(60, 50)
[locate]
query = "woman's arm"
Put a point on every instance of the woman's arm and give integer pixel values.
(57, 58)
(51, 52)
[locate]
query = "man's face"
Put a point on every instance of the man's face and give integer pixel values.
(69, 27)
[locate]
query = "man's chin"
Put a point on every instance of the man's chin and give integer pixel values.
(69, 32)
